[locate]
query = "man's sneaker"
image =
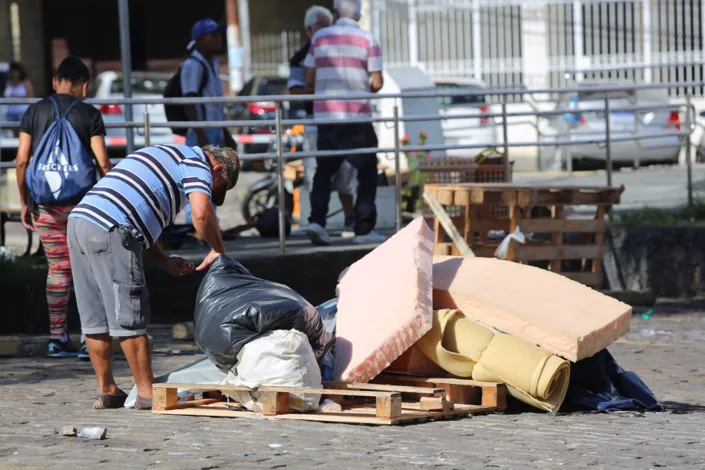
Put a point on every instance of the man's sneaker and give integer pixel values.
(370, 238)
(349, 231)
(83, 353)
(59, 348)
(316, 234)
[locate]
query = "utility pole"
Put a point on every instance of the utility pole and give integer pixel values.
(234, 47)
(126, 56)
(243, 11)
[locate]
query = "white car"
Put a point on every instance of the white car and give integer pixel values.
(588, 122)
(144, 85)
(479, 130)
(4, 70)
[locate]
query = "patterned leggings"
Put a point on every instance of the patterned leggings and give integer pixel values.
(50, 224)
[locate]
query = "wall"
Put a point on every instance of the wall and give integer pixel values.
(277, 31)
(313, 274)
(5, 40)
(31, 50)
(32, 39)
(668, 260)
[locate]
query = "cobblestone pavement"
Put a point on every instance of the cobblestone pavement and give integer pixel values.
(40, 396)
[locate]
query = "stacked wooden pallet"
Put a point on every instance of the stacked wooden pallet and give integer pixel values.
(391, 400)
(570, 246)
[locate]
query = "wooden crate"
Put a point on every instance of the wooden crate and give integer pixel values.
(572, 247)
(455, 170)
(448, 170)
(375, 403)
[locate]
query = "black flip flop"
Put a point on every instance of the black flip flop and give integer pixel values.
(105, 401)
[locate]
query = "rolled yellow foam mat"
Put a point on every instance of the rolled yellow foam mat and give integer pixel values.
(532, 374)
(431, 344)
(468, 349)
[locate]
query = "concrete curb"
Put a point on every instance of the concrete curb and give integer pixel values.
(23, 346)
(36, 346)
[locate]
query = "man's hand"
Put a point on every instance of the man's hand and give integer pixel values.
(177, 267)
(212, 256)
(27, 218)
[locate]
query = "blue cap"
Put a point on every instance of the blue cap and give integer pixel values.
(203, 27)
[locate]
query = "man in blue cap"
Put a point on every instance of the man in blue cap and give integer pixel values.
(199, 77)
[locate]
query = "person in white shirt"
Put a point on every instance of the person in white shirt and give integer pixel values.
(19, 86)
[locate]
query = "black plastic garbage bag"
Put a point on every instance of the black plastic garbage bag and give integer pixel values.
(233, 307)
(328, 311)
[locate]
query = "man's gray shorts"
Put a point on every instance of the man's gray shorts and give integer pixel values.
(345, 180)
(108, 279)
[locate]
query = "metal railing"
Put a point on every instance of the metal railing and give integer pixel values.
(279, 123)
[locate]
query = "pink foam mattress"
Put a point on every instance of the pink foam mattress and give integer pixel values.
(544, 308)
(384, 304)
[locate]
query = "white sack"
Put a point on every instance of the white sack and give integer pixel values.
(281, 358)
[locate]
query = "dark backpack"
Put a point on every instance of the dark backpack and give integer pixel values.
(177, 112)
(61, 171)
(267, 223)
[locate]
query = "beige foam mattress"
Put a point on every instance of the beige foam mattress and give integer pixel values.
(562, 316)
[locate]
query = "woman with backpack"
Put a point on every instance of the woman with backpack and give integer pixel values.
(60, 137)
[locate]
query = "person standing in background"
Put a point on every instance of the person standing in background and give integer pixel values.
(318, 17)
(344, 59)
(199, 77)
(50, 221)
(19, 86)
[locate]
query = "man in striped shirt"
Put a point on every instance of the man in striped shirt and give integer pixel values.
(344, 59)
(318, 17)
(120, 218)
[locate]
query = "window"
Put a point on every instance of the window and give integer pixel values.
(459, 100)
(140, 86)
(268, 87)
(600, 95)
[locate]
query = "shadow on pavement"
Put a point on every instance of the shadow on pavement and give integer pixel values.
(678, 407)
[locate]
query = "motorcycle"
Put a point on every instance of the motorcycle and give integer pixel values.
(264, 194)
(262, 197)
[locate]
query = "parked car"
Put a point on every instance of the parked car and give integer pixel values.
(480, 130)
(260, 86)
(588, 122)
(144, 85)
(4, 72)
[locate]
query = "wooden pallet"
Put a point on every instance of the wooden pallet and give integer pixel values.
(376, 403)
(572, 247)
(459, 391)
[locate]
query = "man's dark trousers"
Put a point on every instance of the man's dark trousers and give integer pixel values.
(346, 137)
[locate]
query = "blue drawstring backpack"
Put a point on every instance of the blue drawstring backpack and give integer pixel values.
(61, 171)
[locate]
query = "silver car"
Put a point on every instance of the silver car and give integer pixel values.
(479, 130)
(144, 85)
(588, 122)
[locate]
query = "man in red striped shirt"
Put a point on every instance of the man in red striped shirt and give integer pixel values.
(344, 59)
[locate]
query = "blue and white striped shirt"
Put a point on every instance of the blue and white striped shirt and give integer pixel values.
(146, 190)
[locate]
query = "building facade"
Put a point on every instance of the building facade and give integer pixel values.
(505, 43)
